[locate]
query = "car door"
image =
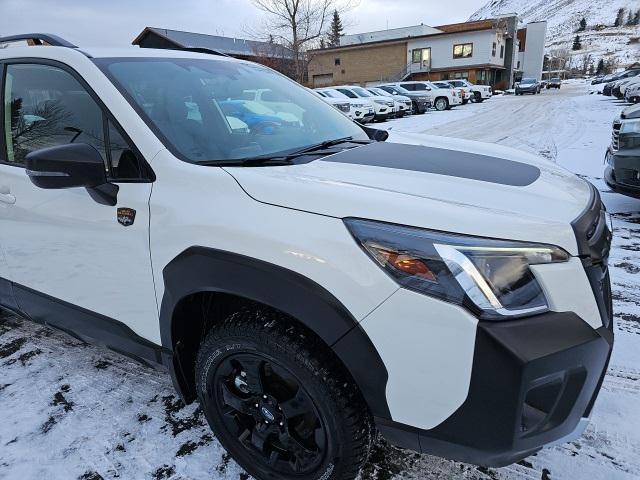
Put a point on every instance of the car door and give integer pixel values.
(74, 263)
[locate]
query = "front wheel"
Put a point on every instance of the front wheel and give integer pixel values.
(279, 402)
(441, 104)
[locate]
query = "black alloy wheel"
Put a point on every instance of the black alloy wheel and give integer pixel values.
(271, 414)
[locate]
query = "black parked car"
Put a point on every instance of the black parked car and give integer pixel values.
(528, 85)
(554, 83)
(622, 172)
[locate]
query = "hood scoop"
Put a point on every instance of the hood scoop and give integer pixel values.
(440, 161)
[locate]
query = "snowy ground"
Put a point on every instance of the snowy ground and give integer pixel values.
(73, 411)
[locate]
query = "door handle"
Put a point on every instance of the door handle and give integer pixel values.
(5, 195)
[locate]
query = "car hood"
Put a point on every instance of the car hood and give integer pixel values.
(632, 112)
(432, 182)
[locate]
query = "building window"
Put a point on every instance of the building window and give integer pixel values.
(422, 56)
(501, 51)
(518, 67)
(461, 75)
(493, 50)
(463, 50)
(444, 76)
(337, 62)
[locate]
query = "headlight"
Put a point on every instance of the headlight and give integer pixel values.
(491, 278)
(381, 102)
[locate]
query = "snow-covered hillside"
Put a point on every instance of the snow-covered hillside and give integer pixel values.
(600, 39)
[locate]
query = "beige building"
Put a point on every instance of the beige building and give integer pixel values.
(484, 52)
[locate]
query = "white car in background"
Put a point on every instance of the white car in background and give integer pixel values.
(634, 82)
(403, 104)
(632, 93)
(441, 98)
(383, 108)
(342, 105)
(479, 93)
(362, 111)
(465, 94)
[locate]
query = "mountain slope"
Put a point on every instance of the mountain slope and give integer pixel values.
(600, 39)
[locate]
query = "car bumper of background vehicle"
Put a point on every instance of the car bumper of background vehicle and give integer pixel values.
(622, 173)
(534, 382)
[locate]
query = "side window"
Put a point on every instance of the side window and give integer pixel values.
(45, 107)
(123, 161)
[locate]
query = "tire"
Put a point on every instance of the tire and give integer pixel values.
(441, 104)
(465, 101)
(311, 421)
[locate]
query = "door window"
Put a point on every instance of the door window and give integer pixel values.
(45, 106)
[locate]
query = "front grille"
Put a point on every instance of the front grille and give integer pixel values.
(594, 243)
(615, 136)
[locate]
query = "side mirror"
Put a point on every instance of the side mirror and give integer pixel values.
(71, 165)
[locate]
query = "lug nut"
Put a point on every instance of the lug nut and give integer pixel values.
(282, 424)
(257, 405)
(264, 396)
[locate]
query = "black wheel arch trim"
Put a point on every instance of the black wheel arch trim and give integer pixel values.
(201, 269)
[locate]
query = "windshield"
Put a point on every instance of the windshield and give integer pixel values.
(527, 81)
(219, 110)
(361, 92)
(396, 90)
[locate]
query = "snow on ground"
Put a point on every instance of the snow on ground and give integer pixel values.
(74, 411)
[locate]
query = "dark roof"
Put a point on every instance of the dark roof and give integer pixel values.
(228, 45)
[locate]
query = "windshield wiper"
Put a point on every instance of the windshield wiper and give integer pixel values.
(287, 159)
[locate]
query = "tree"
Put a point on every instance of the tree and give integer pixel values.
(600, 68)
(336, 30)
(299, 24)
(583, 25)
(619, 18)
(636, 18)
(577, 44)
(630, 19)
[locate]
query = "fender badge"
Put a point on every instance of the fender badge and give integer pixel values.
(126, 216)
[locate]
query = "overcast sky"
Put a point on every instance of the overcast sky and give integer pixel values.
(117, 22)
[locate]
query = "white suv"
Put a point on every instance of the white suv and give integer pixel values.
(361, 110)
(384, 108)
(478, 93)
(308, 281)
(441, 98)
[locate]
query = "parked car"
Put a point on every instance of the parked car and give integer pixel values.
(633, 82)
(383, 107)
(620, 86)
(480, 93)
(465, 93)
(343, 105)
(528, 85)
(403, 105)
(597, 79)
(362, 111)
(608, 88)
(442, 99)
(622, 173)
(420, 102)
(554, 83)
(308, 287)
(632, 93)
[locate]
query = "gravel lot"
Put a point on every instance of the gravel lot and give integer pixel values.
(71, 410)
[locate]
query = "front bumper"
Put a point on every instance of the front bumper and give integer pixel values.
(534, 382)
(622, 173)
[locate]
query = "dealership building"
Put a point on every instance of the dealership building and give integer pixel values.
(496, 52)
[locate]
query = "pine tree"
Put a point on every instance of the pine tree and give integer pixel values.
(336, 30)
(577, 45)
(636, 18)
(583, 25)
(619, 18)
(600, 69)
(630, 18)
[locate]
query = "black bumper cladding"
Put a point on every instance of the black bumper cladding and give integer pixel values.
(533, 379)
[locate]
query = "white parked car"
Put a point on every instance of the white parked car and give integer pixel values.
(384, 108)
(632, 93)
(465, 93)
(632, 83)
(478, 93)
(441, 98)
(361, 110)
(402, 104)
(310, 282)
(343, 105)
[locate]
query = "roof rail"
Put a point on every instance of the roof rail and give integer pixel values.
(208, 51)
(39, 39)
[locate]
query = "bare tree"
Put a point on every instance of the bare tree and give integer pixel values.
(299, 24)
